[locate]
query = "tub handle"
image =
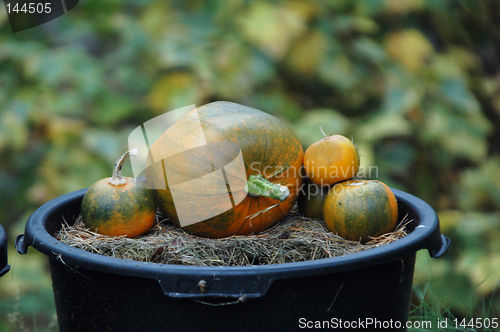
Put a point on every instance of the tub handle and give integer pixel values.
(4, 267)
(235, 289)
(21, 245)
(438, 250)
(4, 270)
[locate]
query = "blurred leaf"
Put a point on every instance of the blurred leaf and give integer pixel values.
(37, 193)
(109, 145)
(278, 103)
(369, 8)
(185, 41)
(154, 17)
(174, 48)
(370, 49)
(410, 48)
(63, 102)
(306, 9)
(486, 273)
(340, 72)
(348, 23)
(479, 188)
(462, 136)
(73, 68)
(112, 108)
(395, 158)
(482, 270)
(428, 268)
(3, 18)
(449, 219)
(478, 226)
(300, 57)
(67, 170)
(271, 28)
(382, 126)
(469, 231)
(172, 91)
(459, 95)
(235, 69)
(64, 131)
(403, 7)
(401, 99)
(332, 122)
(223, 11)
(454, 64)
(13, 131)
(467, 261)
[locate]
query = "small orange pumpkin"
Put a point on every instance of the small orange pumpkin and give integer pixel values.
(117, 206)
(330, 160)
(357, 210)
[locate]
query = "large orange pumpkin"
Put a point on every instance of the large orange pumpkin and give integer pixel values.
(223, 168)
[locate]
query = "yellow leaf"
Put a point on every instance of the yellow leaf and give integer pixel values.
(308, 52)
(156, 17)
(271, 28)
(410, 48)
(306, 9)
(174, 90)
(404, 6)
(449, 219)
(13, 131)
(485, 273)
(62, 131)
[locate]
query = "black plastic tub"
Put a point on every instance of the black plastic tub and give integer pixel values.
(368, 289)
(4, 267)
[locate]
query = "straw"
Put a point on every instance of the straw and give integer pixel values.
(293, 239)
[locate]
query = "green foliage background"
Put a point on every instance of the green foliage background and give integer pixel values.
(416, 84)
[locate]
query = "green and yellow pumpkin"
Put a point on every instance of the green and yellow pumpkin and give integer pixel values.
(311, 199)
(358, 209)
(225, 169)
(117, 206)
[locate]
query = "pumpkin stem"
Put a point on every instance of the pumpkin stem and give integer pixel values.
(321, 128)
(117, 179)
(259, 186)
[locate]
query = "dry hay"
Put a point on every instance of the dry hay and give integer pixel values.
(293, 239)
